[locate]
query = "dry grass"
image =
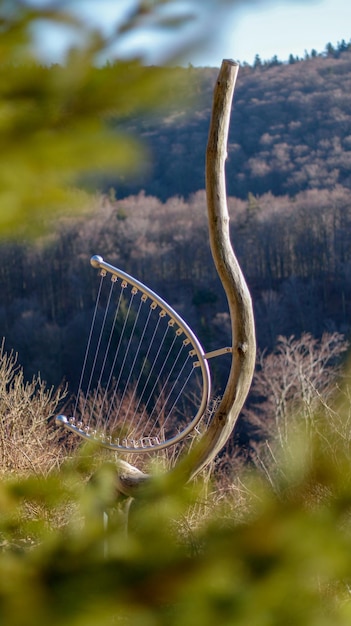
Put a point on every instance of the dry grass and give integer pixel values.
(32, 445)
(29, 442)
(246, 539)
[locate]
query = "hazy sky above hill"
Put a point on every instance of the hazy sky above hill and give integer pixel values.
(285, 28)
(273, 27)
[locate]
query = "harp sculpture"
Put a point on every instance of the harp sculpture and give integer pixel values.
(144, 370)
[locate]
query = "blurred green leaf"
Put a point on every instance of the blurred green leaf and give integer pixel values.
(56, 122)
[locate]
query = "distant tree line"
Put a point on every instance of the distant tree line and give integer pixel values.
(330, 50)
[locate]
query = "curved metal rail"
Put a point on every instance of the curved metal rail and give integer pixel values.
(146, 443)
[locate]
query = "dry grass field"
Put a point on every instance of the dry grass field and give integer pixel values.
(261, 540)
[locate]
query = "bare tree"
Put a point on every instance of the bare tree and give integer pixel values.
(28, 442)
(295, 386)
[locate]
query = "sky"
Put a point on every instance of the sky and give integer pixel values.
(274, 27)
(285, 28)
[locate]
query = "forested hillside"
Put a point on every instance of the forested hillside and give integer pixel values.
(289, 192)
(290, 131)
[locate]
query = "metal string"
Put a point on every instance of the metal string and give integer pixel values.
(164, 387)
(96, 355)
(133, 365)
(98, 386)
(157, 380)
(142, 301)
(107, 350)
(143, 366)
(151, 392)
(103, 274)
(178, 395)
(115, 358)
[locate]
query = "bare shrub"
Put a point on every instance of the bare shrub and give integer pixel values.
(294, 387)
(29, 443)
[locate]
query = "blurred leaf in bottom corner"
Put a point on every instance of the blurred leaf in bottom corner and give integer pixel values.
(286, 562)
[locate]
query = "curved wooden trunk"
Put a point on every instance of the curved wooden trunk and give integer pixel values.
(238, 296)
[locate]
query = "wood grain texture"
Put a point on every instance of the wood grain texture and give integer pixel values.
(233, 281)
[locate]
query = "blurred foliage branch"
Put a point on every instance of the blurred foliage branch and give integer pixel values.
(54, 120)
(286, 561)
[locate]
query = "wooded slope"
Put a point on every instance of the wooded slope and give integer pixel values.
(295, 253)
(290, 131)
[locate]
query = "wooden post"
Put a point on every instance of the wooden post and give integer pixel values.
(238, 296)
(233, 281)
